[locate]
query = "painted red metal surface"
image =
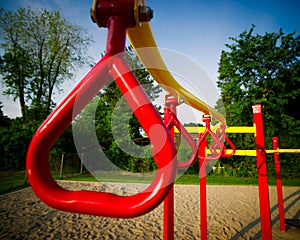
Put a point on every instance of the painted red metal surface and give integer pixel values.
(202, 182)
(261, 160)
(279, 185)
(223, 136)
(105, 9)
(218, 144)
(173, 121)
(102, 203)
(170, 109)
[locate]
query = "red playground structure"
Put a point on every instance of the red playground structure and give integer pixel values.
(132, 17)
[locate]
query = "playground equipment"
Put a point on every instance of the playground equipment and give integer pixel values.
(118, 17)
(111, 65)
(131, 17)
(261, 155)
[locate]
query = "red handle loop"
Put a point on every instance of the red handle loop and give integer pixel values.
(175, 122)
(216, 141)
(223, 136)
(103, 203)
(214, 145)
(230, 143)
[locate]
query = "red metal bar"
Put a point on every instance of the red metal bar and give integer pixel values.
(202, 176)
(279, 185)
(216, 140)
(104, 9)
(169, 215)
(261, 158)
(102, 203)
(170, 109)
(223, 136)
(173, 121)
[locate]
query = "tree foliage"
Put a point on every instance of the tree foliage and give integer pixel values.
(110, 113)
(41, 50)
(263, 69)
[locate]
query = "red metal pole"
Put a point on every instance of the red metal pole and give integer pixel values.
(261, 158)
(169, 215)
(279, 185)
(202, 176)
(164, 152)
(171, 103)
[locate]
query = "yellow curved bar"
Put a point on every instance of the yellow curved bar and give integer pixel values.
(141, 37)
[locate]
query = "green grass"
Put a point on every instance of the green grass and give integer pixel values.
(231, 180)
(185, 179)
(11, 181)
(114, 177)
(217, 180)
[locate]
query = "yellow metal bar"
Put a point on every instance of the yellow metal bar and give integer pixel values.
(284, 151)
(244, 152)
(239, 152)
(253, 152)
(143, 42)
(240, 130)
(228, 129)
(193, 129)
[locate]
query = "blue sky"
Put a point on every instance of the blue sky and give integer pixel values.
(197, 29)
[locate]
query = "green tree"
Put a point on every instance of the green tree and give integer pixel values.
(263, 69)
(4, 124)
(100, 112)
(41, 50)
(14, 142)
(4, 120)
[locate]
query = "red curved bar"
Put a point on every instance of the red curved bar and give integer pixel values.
(102, 203)
(217, 142)
(222, 137)
(175, 122)
(230, 143)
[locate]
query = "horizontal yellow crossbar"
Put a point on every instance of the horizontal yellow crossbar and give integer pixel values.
(238, 130)
(238, 152)
(228, 129)
(253, 152)
(284, 151)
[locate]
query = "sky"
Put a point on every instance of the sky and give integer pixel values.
(195, 29)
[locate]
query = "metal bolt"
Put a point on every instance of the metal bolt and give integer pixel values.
(145, 14)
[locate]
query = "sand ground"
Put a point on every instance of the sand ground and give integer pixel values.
(233, 213)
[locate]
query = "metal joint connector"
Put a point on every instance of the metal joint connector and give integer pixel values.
(145, 14)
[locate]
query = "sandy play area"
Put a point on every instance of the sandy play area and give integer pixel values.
(233, 213)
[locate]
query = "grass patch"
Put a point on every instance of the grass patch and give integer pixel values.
(12, 181)
(232, 180)
(216, 180)
(124, 177)
(184, 179)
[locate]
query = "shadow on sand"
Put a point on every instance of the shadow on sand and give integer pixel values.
(273, 221)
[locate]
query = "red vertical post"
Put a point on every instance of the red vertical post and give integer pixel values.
(202, 176)
(171, 103)
(261, 161)
(279, 185)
